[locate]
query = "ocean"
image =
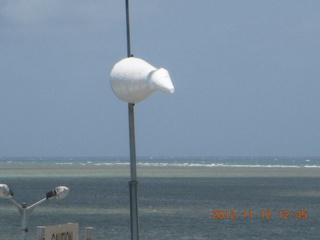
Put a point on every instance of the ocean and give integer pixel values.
(179, 198)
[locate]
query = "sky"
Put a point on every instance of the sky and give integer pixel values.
(246, 76)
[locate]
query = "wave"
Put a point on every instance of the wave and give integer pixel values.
(175, 162)
(211, 165)
(223, 165)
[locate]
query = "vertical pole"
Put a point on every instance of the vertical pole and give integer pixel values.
(24, 228)
(133, 184)
(132, 139)
(128, 29)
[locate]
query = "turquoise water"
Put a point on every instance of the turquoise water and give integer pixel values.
(173, 207)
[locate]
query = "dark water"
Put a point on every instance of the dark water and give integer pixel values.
(171, 208)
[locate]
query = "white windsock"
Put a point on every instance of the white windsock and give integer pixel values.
(133, 79)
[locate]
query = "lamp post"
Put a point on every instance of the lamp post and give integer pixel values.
(6, 193)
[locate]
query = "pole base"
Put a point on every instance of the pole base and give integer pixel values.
(133, 185)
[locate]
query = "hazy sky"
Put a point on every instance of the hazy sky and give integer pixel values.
(246, 75)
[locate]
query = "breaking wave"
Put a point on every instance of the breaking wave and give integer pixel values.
(209, 162)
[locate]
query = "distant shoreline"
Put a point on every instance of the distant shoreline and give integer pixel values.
(30, 170)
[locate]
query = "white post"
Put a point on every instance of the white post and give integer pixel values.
(41, 232)
(89, 233)
(24, 228)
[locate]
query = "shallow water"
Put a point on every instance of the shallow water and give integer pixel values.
(174, 202)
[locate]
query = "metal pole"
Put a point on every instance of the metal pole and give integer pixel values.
(23, 210)
(24, 228)
(31, 207)
(132, 139)
(128, 29)
(133, 184)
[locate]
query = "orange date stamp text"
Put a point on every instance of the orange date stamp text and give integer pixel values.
(265, 214)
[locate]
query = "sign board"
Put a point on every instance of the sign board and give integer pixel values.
(67, 231)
